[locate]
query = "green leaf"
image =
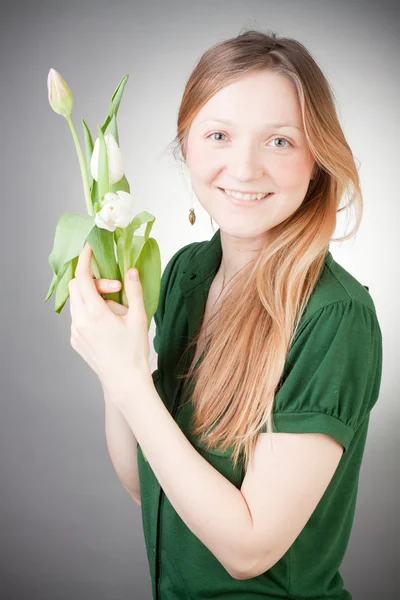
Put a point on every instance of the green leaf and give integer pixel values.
(103, 179)
(142, 252)
(129, 246)
(112, 128)
(69, 240)
(149, 267)
(88, 151)
(54, 281)
(117, 96)
(122, 184)
(115, 102)
(137, 221)
(62, 292)
(95, 193)
(102, 243)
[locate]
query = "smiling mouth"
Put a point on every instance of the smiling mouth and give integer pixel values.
(242, 202)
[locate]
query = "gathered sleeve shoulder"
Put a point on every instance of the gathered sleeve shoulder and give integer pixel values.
(332, 374)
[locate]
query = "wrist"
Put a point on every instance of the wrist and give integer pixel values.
(118, 388)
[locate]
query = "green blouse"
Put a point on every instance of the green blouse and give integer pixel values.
(330, 383)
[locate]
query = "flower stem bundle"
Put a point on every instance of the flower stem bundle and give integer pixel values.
(110, 225)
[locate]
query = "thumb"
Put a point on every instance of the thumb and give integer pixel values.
(133, 289)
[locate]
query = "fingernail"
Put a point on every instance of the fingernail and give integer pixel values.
(114, 285)
(133, 274)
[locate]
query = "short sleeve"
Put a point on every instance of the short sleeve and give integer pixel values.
(167, 280)
(332, 374)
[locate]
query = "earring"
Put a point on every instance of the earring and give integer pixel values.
(192, 215)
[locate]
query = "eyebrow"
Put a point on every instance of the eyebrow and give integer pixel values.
(265, 125)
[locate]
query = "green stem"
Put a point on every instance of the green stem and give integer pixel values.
(125, 267)
(82, 163)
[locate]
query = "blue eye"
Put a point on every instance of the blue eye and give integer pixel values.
(281, 139)
(215, 133)
(220, 133)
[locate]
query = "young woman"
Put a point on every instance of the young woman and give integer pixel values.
(251, 430)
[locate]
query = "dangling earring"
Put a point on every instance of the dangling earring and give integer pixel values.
(192, 215)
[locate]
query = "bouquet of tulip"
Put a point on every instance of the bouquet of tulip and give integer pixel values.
(110, 225)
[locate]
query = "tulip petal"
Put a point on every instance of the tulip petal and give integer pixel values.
(117, 210)
(116, 167)
(60, 96)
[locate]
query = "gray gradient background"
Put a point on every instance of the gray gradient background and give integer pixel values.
(68, 527)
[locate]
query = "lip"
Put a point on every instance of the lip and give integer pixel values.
(237, 202)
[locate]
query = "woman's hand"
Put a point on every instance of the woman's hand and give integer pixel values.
(103, 287)
(109, 286)
(111, 338)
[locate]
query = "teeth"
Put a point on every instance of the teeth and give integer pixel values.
(240, 196)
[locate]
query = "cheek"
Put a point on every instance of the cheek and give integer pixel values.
(281, 207)
(292, 172)
(207, 168)
(199, 158)
(203, 164)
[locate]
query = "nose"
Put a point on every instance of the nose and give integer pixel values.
(245, 164)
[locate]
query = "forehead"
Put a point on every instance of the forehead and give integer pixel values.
(255, 99)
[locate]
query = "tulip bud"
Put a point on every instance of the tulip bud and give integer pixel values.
(117, 210)
(116, 167)
(60, 96)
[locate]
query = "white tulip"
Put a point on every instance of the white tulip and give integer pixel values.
(116, 168)
(116, 211)
(60, 96)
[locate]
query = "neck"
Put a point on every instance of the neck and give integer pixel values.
(236, 253)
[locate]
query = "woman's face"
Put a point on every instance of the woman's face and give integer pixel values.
(262, 149)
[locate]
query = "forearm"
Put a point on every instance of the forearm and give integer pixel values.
(209, 504)
(122, 447)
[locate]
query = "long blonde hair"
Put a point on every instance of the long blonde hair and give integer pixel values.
(255, 324)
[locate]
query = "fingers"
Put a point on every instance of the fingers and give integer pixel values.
(104, 286)
(75, 298)
(118, 309)
(83, 266)
(83, 275)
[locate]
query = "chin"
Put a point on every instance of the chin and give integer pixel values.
(242, 230)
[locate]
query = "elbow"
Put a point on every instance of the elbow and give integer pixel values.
(245, 560)
(249, 573)
(242, 568)
(251, 557)
(237, 566)
(241, 573)
(251, 566)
